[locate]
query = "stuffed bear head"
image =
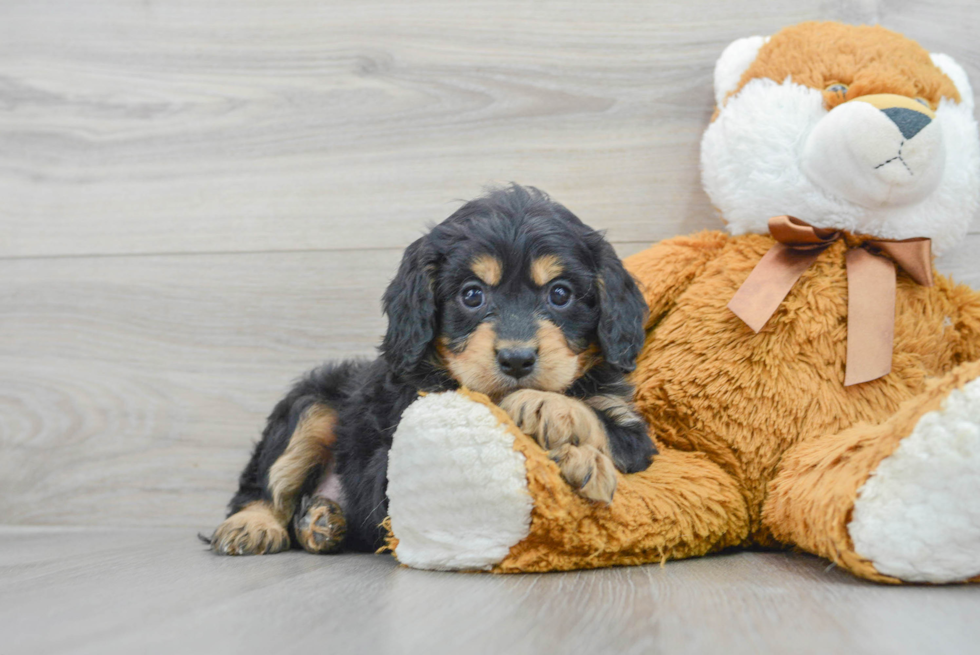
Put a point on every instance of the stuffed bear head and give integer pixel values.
(855, 128)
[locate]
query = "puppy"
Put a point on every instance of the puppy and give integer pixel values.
(511, 296)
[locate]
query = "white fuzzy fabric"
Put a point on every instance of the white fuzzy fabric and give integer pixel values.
(457, 490)
(860, 155)
(917, 517)
(733, 63)
(751, 165)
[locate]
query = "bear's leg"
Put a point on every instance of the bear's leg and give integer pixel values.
(899, 501)
(467, 490)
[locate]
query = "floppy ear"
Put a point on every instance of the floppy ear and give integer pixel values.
(622, 312)
(410, 304)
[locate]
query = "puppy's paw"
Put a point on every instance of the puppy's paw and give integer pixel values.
(254, 530)
(554, 419)
(320, 525)
(590, 472)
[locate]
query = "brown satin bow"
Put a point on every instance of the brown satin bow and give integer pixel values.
(870, 288)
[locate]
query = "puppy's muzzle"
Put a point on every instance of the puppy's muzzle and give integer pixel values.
(517, 362)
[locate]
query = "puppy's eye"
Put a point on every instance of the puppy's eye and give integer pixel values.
(472, 297)
(560, 295)
(838, 88)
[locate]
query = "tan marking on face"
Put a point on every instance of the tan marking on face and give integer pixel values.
(546, 268)
(588, 358)
(620, 410)
(558, 365)
(475, 365)
(488, 268)
(253, 530)
(309, 445)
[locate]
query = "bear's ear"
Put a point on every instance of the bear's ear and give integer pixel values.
(733, 63)
(955, 72)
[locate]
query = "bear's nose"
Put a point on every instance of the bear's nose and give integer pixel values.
(909, 116)
(909, 121)
(517, 362)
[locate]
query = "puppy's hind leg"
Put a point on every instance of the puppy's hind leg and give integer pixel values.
(296, 447)
(259, 526)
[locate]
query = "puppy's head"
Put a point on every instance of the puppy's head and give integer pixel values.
(512, 291)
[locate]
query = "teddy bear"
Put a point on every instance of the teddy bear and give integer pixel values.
(808, 377)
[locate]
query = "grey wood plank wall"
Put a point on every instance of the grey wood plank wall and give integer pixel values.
(200, 199)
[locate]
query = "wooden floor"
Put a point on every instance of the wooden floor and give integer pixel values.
(200, 199)
(158, 591)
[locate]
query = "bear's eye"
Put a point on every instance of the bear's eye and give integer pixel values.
(923, 101)
(838, 88)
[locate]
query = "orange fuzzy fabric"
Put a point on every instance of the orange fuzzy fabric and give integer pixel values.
(681, 506)
(726, 405)
(868, 59)
(707, 383)
(809, 503)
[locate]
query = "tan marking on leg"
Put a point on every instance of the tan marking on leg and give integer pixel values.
(620, 410)
(488, 268)
(558, 365)
(475, 365)
(589, 471)
(546, 268)
(308, 446)
(554, 420)
(253, 530)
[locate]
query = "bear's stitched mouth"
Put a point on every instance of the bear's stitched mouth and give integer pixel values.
(863, 154)
(897, 157)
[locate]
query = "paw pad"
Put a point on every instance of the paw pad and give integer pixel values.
(320, 525)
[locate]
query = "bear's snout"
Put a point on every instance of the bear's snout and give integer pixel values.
(876, 150)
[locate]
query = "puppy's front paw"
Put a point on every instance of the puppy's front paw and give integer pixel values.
(254, 530)
(591, 473)
(320, 525)
(554, 419)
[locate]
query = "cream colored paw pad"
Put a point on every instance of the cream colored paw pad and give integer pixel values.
(457, 489)
(917, 517)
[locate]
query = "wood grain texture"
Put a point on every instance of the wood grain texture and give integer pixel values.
(131, 388)
(189, 126)
(203, 199)
(156, 591)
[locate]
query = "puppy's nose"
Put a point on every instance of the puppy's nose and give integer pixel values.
(517, 362)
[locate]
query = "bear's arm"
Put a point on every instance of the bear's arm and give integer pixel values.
(967, 324)
(664, 270)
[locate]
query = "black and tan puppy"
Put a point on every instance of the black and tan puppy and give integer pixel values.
(511, 296)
